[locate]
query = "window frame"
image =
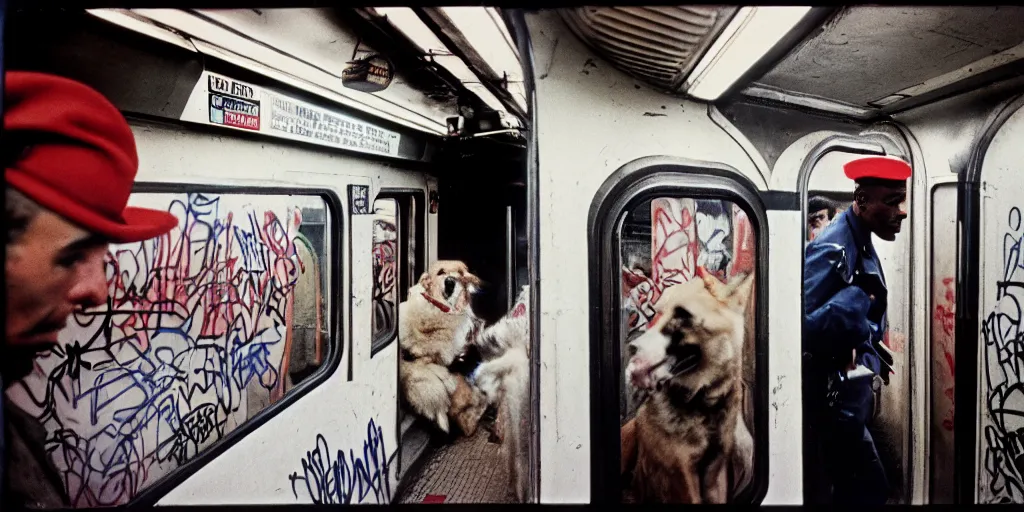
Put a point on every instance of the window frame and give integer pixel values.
(967, 414)
(631, 185)
(410, 263)
(382, 339)
(932, 446)
(335, 266)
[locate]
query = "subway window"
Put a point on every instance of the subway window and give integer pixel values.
(687, 344)
(204, 328)
(413, 230)
(385, 272)
(943, 337)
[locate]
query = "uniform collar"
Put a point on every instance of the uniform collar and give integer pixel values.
(861, 233)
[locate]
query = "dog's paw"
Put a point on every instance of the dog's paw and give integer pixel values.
(442, 422)
(486, 381)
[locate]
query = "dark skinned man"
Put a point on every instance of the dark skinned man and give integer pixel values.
(845, 300)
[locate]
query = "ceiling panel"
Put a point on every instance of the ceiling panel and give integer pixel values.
(865, 54)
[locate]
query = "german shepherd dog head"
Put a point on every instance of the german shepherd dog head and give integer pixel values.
(449, 285)
(695, 338)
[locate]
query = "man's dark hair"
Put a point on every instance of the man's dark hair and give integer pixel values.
(880, 182)
(859, 196)
(818, 203)
(19, 211)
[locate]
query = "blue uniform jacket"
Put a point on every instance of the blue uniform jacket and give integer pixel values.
(841, 269)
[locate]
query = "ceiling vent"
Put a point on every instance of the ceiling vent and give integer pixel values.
(659, 45)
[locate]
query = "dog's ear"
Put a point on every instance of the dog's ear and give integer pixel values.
(713, 285)
(472, 279)
(737, 295)
(424, 279)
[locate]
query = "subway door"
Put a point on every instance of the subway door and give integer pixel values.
(815, 165)
(999, 335)
(660, 225)
(399, 241)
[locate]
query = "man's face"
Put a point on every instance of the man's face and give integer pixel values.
(884, 208)
(52, 269)
(817, 221)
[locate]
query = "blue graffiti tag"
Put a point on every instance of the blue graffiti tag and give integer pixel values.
(167, 367)
(335, 481)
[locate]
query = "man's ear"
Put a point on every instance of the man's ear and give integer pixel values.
(860, 197)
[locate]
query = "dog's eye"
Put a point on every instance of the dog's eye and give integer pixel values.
(440, 272)
(683, 316)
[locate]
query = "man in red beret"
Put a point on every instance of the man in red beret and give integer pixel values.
(844, 325)
(70, 163)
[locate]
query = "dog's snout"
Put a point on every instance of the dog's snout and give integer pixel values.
(449, 285)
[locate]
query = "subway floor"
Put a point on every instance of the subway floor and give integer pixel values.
(468, 470)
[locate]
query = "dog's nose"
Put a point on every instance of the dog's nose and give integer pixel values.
(632, 349)
(449, 285)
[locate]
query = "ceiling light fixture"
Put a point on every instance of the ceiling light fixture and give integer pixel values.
(748, 37)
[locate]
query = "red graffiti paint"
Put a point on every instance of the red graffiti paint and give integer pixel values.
(896, 343)
(676, 247)
(945, 313)
(673, 241)
(943, 330)
(640, 293)
(743, 249)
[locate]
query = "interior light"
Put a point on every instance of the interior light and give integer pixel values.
(419, 123)
(481, 32)
(485, 31)
(406, 21)
(751, 33)
(127, 19)
(503, 29)
(269, 62)
(187, 30)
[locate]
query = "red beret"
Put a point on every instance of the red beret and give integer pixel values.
(880, 167)
(80, 160)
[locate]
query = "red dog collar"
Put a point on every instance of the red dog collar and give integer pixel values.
(440, 305)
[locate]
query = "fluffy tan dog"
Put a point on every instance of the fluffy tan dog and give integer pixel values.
(435, 324)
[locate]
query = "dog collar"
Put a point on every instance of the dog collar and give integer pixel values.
(438, 304)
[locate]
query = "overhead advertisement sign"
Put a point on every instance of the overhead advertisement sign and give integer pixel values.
(223, 101)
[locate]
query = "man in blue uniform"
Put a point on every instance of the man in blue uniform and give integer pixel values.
(844, 324)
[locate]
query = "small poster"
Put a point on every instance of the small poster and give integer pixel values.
(233, 104)
(359, 199)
